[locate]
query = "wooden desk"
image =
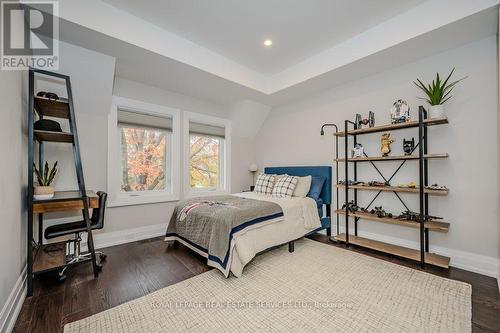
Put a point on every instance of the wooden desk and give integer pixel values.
(64, 201)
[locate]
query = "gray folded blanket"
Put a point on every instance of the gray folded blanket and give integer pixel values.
(208, 225)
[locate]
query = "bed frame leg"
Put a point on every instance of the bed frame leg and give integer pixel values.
(328, 232)
(291, 247)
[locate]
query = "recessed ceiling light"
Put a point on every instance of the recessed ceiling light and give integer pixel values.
(268, 42)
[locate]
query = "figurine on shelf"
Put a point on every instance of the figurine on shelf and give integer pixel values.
(408, 215)
(408, 146)
(400, 112)
(408, 185)
(351, 182)
(357, 151)
(359, 121)
(380, 212)
(378, 184)
(351, 206)
(386, 142)
(437, 187)
(371, 119)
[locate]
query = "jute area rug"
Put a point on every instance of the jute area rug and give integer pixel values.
(318, 288)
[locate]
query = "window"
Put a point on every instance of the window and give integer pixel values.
(143, 155)
(207, 150)
(206, 161)
(145, 146)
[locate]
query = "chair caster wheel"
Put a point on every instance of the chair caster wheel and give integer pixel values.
(103, 257)
(62, 278)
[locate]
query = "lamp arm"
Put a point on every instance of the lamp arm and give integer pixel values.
(328, 125)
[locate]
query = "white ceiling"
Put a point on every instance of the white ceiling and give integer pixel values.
(236, 29)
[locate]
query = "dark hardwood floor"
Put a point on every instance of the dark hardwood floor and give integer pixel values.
(137, 269)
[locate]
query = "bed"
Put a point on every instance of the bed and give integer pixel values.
(231, 230)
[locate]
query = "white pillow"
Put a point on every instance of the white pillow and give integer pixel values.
(276, 176)
(264, 183)
(303, 186)
(284, 186)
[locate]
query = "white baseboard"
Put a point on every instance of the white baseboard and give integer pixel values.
(14, 303)
(460, 259)
(107, 239)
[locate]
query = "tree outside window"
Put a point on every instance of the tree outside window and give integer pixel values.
(205, 161)
(144, 159)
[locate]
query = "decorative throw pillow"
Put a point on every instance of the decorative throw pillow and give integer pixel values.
(285, 186)
(303, 187)
(264, 184)
(316, 187)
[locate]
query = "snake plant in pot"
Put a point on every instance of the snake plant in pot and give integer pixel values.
(437, 93)
(44, 177)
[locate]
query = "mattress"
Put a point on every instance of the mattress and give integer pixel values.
(301, 216)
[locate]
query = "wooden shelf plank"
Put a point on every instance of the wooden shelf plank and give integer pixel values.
(396, 189)
(51, 136)
(404, 252)
(64, 201)
(438, 226)
(48, 257)
(392, 158)
(391, 127)
(51, 108)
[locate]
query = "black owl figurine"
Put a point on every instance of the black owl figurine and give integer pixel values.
(408, 146)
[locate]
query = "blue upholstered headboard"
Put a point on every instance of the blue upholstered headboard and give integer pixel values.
(301, 171)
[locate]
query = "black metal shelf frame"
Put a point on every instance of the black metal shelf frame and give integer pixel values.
(423, 168)
(78, 166)
(328, 208)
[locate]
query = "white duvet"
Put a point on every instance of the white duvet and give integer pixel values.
(300, 217)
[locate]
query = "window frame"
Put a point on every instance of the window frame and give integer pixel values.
(116, 196)
(224, 154)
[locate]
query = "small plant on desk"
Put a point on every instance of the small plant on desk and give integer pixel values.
(44, 177)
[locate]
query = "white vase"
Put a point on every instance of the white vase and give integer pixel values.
(43, 192)
(436, 111)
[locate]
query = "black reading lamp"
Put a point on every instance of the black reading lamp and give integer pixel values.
(328, 125)
(322, 133)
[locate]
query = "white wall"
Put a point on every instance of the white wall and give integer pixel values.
(290, 136)
(13, 181)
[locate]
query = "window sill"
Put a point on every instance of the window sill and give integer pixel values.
(141, 200)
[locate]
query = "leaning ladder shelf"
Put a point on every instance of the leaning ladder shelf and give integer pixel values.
(422, 255)
(49, 257)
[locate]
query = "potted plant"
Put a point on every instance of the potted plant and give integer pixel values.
(44, 177)
(437, 93)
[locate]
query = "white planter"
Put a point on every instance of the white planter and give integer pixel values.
(436, 111)
(43, 192)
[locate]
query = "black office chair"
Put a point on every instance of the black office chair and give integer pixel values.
(96, 222)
